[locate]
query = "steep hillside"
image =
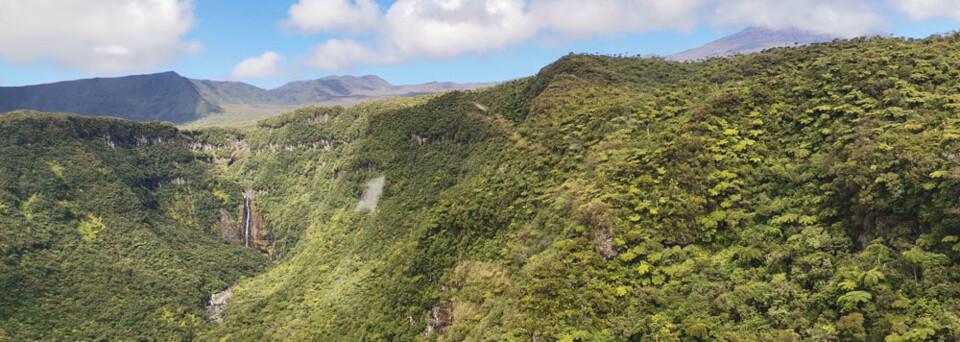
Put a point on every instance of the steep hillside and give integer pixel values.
(799, 194)
(157, 97)
(751, 40)
(795, 194)
(107, 231)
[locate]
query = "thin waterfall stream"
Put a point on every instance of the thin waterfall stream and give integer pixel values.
(247, 217)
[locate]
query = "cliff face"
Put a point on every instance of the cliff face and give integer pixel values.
(253, 230)
(228, 228)
(249, 228)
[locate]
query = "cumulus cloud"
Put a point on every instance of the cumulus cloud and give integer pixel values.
(923, 9)
(843, 18)
(265, 66)
(336, 54)
(315, 16)
(99, 36)
(606, 17)
(432, 29)
(440, 29)
(448, 28)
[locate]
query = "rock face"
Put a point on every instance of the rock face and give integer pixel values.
(250, 228)
(214, 308)
(372, 194)
(227, 227)
(605, 245)
(254, 230)
(441, 317)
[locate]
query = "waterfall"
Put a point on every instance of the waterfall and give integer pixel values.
(246, 217)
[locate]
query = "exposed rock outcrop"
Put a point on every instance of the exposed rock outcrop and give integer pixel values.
(441, 317)
(371, 196)
(236, 145)
(249, 228)
(227, 227)
(254, 230)
(605, 245)
(214, 308)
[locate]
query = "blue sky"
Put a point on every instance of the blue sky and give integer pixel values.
(403, 41)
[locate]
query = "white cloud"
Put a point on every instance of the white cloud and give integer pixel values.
(923, 9)
(430, 28)
(607, 17)
(99, 36)
(336, 55)
(844, 18)
(314, 16)
(449, 28)
(441, 29)
(265, 66)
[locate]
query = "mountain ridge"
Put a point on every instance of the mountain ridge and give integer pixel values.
(750, 40)
(169, 96)
(163, 96)
(806, 194)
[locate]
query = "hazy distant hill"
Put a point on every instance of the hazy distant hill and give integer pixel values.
(158, 97)
(750, 40)
(171, 97)
(324, 90)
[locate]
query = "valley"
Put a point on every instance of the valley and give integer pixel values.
(806, 193)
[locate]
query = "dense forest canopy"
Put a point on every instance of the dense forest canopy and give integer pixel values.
(801, 194)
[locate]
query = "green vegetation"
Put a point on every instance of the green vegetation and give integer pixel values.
(796, 194)
(91, 245)
(238, 115)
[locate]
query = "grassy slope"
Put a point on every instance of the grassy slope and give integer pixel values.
(241, 115)
(238, 115)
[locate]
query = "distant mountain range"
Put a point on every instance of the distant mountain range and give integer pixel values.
(334, 89)
(751, 40)
(171, 97)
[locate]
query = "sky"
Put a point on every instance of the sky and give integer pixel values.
(269, 43)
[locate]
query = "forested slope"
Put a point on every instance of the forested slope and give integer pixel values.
(796, 194)
(106, 231)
